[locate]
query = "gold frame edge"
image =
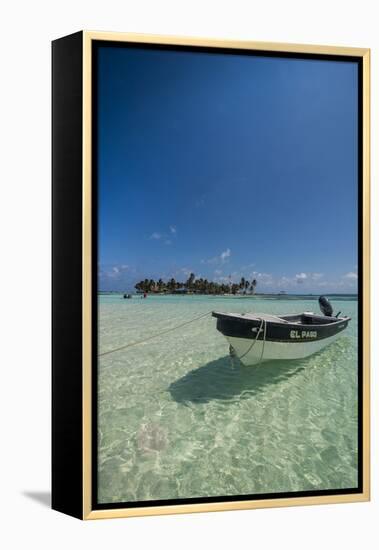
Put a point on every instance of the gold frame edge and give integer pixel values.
(366, 237)
(88, 513)
(225, 43)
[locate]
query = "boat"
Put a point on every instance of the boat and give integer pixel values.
(259, 337)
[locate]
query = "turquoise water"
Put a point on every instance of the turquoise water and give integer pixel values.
(179, 418)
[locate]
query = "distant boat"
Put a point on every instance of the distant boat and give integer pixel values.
(258, 337)
(182, 290)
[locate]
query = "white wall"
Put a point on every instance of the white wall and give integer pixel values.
(26, 30)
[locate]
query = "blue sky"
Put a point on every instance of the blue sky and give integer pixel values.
(227, 165)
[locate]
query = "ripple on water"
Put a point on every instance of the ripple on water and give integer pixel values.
(179, 418)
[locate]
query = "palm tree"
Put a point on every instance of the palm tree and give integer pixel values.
(242, 283)
(254, 283)
(198, 285)
(206, 286)
(190, 281)
(172, 284)
(247, 284)
(160, 285)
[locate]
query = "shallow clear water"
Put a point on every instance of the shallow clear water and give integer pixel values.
(178, 418)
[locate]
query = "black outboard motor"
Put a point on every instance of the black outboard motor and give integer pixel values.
(325, 306)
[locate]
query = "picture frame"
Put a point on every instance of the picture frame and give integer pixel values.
(76, 134)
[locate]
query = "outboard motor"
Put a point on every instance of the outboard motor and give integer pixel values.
(325, 306)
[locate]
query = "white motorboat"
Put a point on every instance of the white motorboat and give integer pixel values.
(258, 337)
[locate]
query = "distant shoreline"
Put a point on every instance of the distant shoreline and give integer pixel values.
(250, 296)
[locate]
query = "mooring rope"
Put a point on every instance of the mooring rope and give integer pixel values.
(264, 341)
(131, 344)
(256, 339)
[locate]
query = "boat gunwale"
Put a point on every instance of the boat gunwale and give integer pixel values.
(239, 317)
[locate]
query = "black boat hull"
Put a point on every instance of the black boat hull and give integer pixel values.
(257, 339)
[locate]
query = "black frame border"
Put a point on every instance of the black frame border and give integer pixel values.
(67, 253)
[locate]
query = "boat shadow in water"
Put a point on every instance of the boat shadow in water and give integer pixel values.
(227, 378)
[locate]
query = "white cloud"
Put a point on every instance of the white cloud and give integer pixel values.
(247, 268)
(116, 272)
(164, 237)
(223, 258)
(300, 277)
(265, 279)
(351, 275)
(177, 273)
(226, 254)
(113, 272)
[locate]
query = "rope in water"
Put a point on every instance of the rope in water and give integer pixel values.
(131, 344)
